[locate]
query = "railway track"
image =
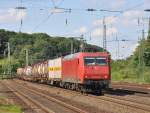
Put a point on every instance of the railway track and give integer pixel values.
(125, 102)
(34, 105)
(21, 89)
(133, 87)
(127, 99)
(122, 91)
(145, 86)
(117, 100)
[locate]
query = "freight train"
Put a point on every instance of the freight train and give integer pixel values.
(83, 71)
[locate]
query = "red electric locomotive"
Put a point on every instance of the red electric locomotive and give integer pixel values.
(87, 71)
(83, 71)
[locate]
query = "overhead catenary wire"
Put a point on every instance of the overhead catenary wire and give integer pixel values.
(88, 10)
(53, 3)
(47, 18)
(120, 12)
(69, 10)
(96, 10)
(60, 3)
(102, 10)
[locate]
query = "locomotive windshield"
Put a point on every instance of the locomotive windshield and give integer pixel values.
(95, 61)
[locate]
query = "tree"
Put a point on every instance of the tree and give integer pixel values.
(40, 45)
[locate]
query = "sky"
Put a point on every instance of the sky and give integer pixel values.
(40, 16)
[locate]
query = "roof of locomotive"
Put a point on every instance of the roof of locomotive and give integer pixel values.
(79, 54)
(105, 54)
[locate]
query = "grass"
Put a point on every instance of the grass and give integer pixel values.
(6, 107)
(131, 76)
(2, 76)
(10, 109)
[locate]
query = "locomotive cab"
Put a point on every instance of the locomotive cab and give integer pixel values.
(97, 70)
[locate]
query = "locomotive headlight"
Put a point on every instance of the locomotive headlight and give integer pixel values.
(105, 76)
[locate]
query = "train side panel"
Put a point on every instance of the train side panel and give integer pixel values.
(35, 71)
(28, 70)
(55, 69)
(95, 73)
(45, 69)
(20, 72)
(70, 71)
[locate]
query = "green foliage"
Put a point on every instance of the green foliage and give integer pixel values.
(10, 109)
(40, 45)
(148, 37)
(5, 107)
(136, 68)
(147, 52)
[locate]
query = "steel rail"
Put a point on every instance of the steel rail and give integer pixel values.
(116, 100)
(71, 107)
(27, 99)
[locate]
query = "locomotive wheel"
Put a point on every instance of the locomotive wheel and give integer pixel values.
(73, 86)
(98, 92)
(83, 89)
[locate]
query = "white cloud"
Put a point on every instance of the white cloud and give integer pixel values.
(11, 15)
(146, 4)
(125, 49)
(129, 48)
(124, 23)
(81, 30)
(99, 32)
(133, 14)
(130, 18)
(108, 20)
(29, 32)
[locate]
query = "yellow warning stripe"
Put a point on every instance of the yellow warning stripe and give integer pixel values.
(54, 68)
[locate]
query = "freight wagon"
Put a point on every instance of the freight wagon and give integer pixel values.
(84, 71)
